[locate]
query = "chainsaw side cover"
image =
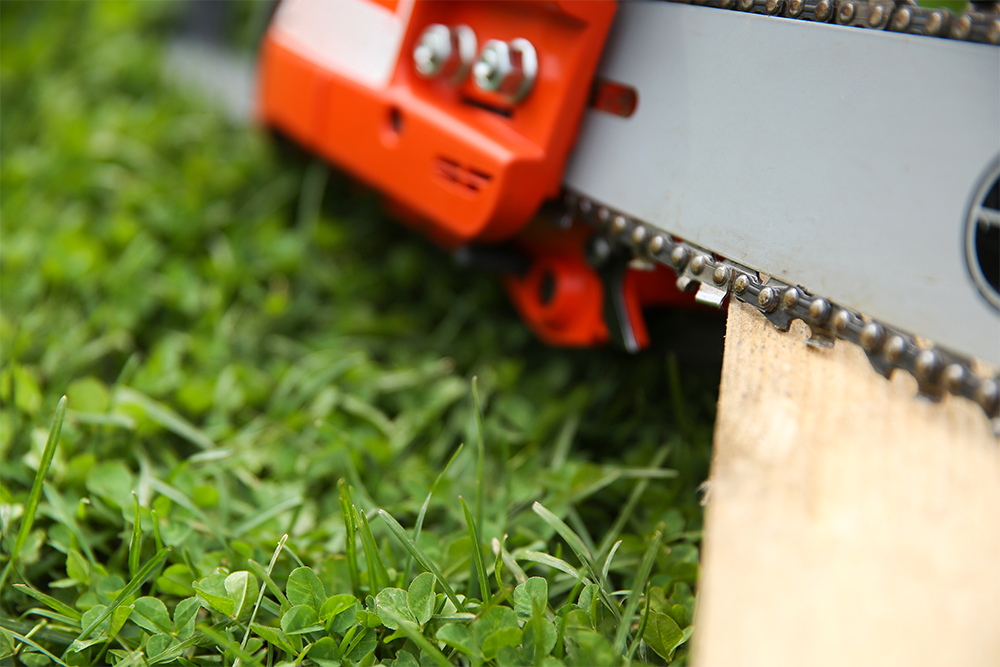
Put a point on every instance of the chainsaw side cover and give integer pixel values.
(340, 79)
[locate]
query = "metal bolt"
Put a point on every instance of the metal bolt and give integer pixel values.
(846, 13)
(819, 310)
(741, 284)
(934, 23)
(895, 348)
(823, 10)
(585, 206)
(841, 321)
(961, 28)
(720, 275)
(795, 7)
(790, 298)
(746, 5)
(638, 235)
(727, 4)
(773, 6)
(679, 256)
(953, 376)
(927, 364)
(603, 215)
(506, 68)
(619, 224)
(698, 264)
(656, 244)
(872, 335)
(988, 394)
(433, 50)
(446, 51)
(767, 299)
(902, 19)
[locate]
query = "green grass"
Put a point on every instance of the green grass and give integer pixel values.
(268, 385)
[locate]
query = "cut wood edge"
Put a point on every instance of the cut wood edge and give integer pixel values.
(848, 519)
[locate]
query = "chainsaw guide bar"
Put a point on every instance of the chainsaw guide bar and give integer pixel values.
(747, 151)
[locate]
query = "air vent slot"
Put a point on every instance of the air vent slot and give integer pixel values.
(469, 178)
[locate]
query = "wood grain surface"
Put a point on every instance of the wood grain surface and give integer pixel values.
(848, 520)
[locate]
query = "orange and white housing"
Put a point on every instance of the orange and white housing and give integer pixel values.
(464, 161)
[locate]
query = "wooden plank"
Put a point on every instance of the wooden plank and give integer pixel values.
(848, 521)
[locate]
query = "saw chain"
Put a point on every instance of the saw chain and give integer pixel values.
(980, 22)
(937, 371)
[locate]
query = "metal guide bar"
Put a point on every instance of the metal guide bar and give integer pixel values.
(834, 157)
(936, 370)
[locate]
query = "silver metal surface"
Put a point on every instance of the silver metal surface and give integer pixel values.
(786, 147)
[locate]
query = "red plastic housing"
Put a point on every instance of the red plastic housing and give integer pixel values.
(561, 298)
(464, 166)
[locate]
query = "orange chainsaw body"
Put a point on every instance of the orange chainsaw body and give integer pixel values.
(458, 162)
(468, 164)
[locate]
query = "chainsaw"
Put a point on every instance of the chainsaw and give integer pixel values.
(831, 161)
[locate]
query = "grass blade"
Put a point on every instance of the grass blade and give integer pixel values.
(607, 562)
(563, 566)
(421, 557)
(175, 495)
(271, 584)
(553, 562)
(223, 639)
(413, 632)
(572, 539)
(135, 544)
(130, 588)
(157, 538)
(266, 576)
(563, 441)
(641, 630)
(645, 567)
(423, 510)
(351, 544)
(27, 640)
(35, 495)
(480, 453)
(477, 552)
(633, 499)
(55, 604)
(480, 481)
(378, 576)
(580, 528)
(160, 414)
(266, 514)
